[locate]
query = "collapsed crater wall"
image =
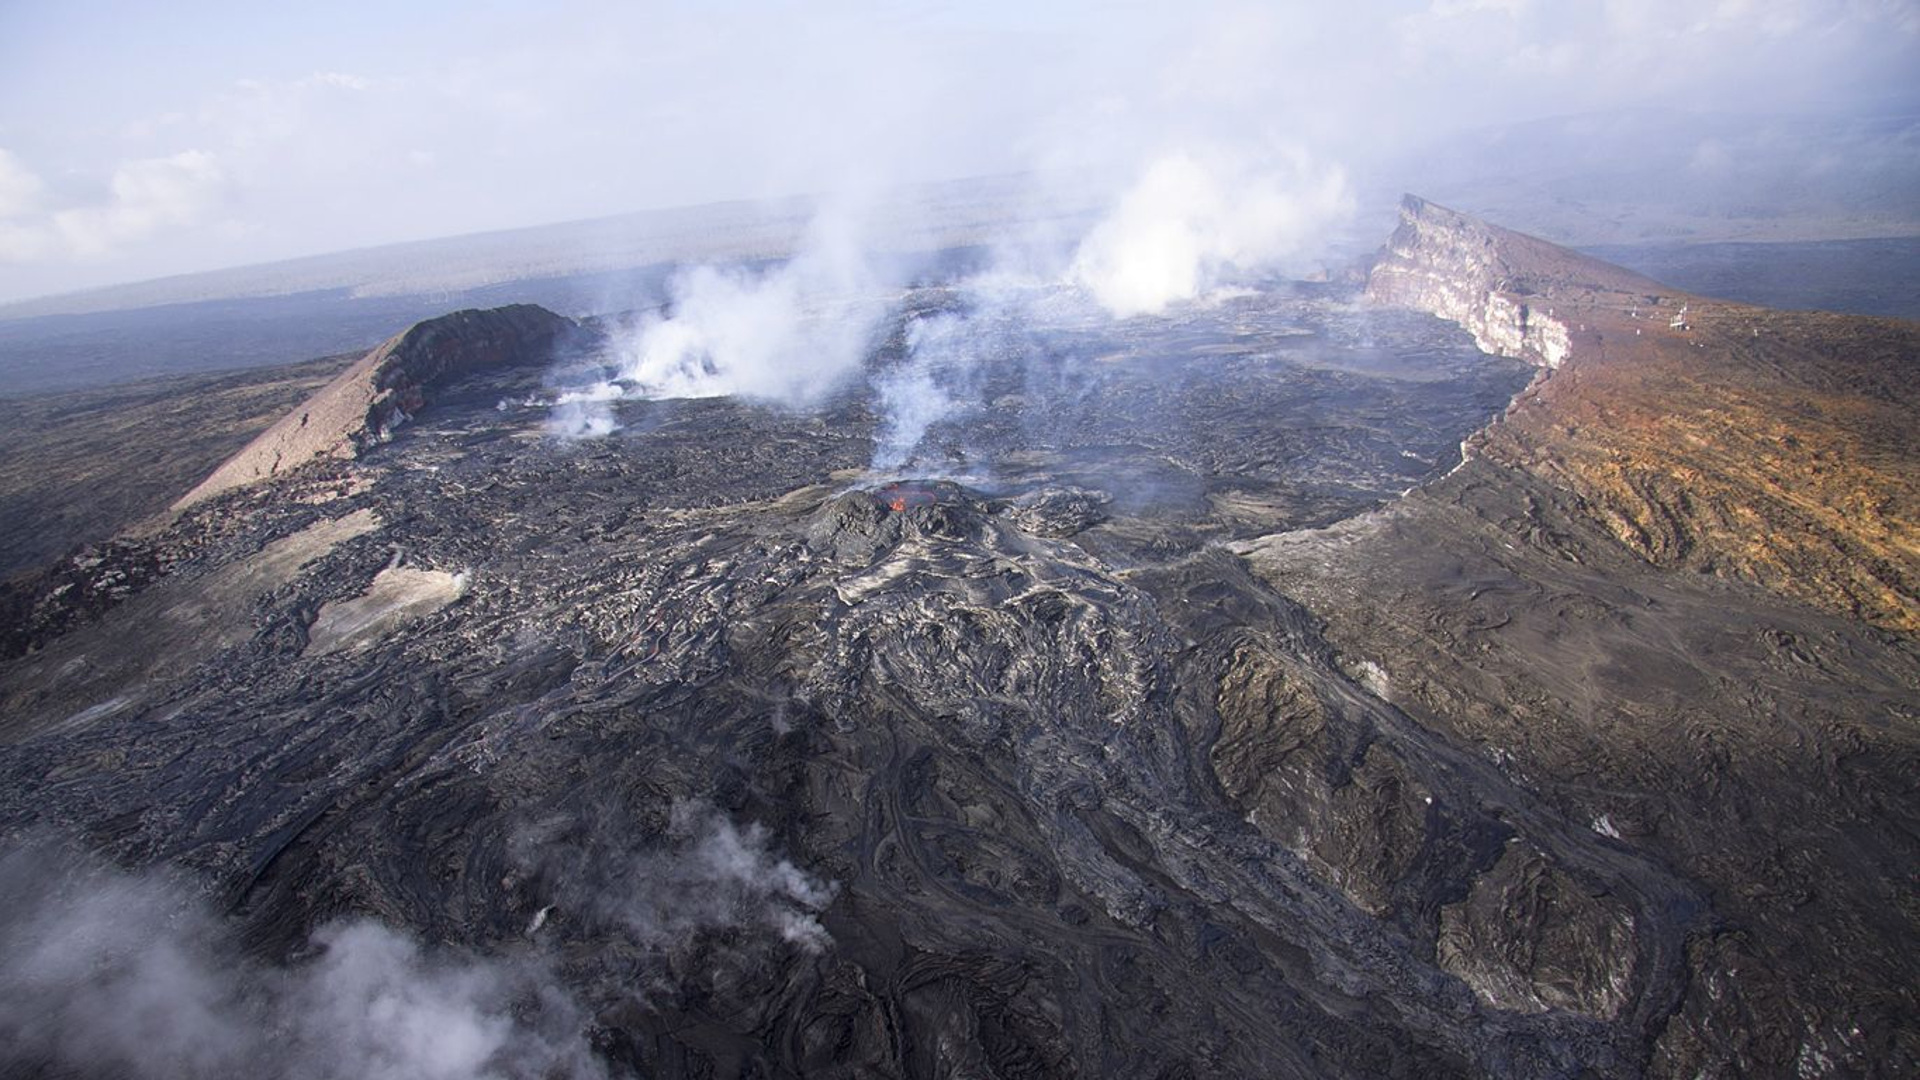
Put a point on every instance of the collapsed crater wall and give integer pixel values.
(1774, 447)
(1499, 285)
(363, 405)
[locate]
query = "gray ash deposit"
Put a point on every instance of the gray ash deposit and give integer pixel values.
(1024, 752)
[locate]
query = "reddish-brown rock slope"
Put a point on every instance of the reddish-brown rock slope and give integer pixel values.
(1778, 447)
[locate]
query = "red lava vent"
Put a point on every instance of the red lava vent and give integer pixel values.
(903, 496)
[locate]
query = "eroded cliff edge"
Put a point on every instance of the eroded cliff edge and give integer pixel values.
(1671, 592)
(1774, 447)
(1496, 283)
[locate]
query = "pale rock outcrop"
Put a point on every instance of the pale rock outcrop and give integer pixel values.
(1499, 285)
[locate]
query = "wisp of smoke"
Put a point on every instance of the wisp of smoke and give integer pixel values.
(107, 972)
(1193, 221)
(709, 875)
(944, 376)
(909, 397)
(585, 412)
(718, 875)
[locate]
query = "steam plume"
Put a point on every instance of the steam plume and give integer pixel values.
(788, 335)
(107, 972)
(920, 392)
(1191, 222)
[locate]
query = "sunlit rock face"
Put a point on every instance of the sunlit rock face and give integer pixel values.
(1709, 509)
(1497, 284)
(1774, 447)
(1177, 701)
(369, 401)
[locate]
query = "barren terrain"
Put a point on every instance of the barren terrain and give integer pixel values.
(1184, 705)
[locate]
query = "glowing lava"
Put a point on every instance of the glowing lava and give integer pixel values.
(903, 496)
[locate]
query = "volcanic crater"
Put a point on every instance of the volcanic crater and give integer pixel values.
(1283, 687)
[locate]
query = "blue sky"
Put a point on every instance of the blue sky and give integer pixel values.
(140, 139)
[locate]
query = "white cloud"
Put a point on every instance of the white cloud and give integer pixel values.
(339, 80)
(1450, 8)
(522, 114)
(147, 195)
(21, 239)
(20, 189)
(1712, 158)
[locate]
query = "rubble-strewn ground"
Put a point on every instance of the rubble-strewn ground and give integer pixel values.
(1153, 734)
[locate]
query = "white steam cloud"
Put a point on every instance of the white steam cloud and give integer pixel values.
(909, 401)
(1190, 223)
(1195, 221)
(585, 412)
(910, 398)
(788, 335)
(107, 972)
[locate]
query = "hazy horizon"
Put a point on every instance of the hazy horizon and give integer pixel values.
(139, 143)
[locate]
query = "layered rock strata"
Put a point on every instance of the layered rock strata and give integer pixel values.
(1776, 447)
(1499, 285)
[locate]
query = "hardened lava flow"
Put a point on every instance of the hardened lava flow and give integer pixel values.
(1175, 741)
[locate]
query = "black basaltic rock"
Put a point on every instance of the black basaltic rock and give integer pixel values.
(1160, 736)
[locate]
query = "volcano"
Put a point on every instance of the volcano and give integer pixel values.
(1477, 675)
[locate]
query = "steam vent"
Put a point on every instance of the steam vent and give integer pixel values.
(1481, 672)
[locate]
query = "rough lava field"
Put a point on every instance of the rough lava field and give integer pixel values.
(1494, 665)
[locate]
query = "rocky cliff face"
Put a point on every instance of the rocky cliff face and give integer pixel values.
(387, 388)
(1673, 592)
(1498, 284)
(1773, 447)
